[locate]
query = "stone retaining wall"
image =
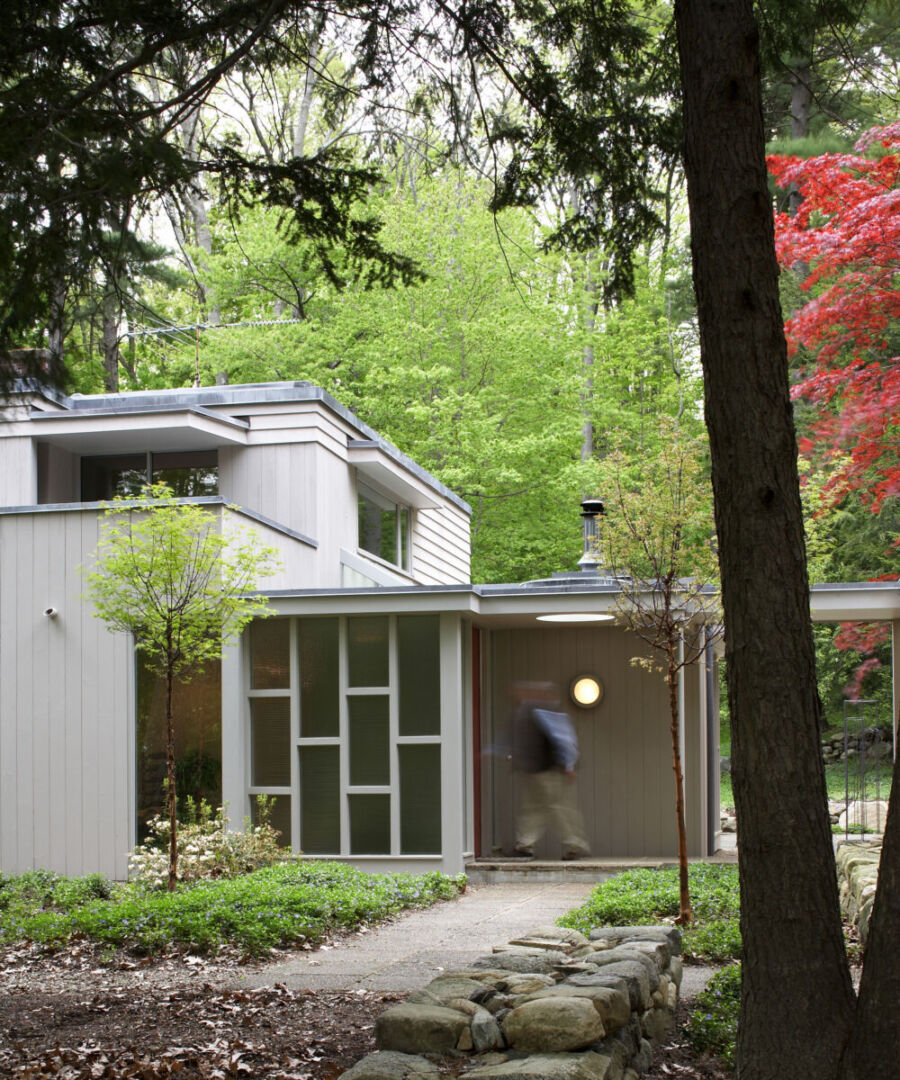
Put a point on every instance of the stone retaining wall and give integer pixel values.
(553, 1005)
(857, 865)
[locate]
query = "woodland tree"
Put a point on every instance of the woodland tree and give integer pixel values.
(168, 574)
(656, 540)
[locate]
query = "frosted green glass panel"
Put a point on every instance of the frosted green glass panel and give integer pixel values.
(370, 824)
(419, 666)
(320, 800)
(270, 654)
(368, 650)
(279, 816)
(270, 726)
(370, 745)
(319, 700)
(420, 800)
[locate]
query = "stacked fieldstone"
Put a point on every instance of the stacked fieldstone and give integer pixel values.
(874, 742)
(858, 878)
(553, 1005)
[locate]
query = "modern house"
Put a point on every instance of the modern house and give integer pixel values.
(373, 709)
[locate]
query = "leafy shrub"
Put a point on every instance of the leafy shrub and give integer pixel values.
(280, 905)
(206, 849)
(647, 896)
(712, 1025)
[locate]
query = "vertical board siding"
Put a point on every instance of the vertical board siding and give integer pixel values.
(66, 708)
(18, 477)
(273, 479)
(624, 783)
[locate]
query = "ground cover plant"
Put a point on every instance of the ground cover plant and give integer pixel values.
(647, 896)
(292, 903)
(712, 1025)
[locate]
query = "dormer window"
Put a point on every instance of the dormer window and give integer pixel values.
(383, 527)
(189, 474)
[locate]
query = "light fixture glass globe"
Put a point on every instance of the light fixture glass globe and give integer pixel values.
(586, 691)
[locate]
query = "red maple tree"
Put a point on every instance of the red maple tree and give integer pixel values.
(846, 236)
(847, 233)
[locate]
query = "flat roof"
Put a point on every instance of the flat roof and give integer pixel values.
(228, 397)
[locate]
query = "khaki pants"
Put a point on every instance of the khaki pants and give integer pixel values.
(549, 797)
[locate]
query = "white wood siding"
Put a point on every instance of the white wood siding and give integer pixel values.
(18, 472)
(625, 782)
(441, 549)
(66, 706)
(59, 475)
(277, 480)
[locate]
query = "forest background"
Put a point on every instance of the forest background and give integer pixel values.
(505, 365)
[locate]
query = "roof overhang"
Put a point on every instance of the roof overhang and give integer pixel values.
(860, 601)
(136, 430)
(373, 464)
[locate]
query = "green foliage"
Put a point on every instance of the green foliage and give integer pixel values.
(647, 896)
(712, 1026)
(206, 848)
(168, 573)
(282, 905)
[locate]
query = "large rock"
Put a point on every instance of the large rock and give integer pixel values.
(419, 1029)
(612, 1005)
(486, 1034)
(587, 1066)
(553, 1025)
(550, 937)
(633, 972)
(615, 934)
(389, 1065)
(525, 961)
(444, 989)
(527, 984)
(623, 954)
(656, 1024)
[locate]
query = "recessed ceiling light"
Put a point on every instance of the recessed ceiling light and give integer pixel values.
(577, 616)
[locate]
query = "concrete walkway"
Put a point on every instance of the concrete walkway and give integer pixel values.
(412, 950)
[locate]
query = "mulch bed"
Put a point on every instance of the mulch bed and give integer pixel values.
(82, 1015)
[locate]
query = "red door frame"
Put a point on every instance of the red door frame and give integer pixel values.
(476, 736)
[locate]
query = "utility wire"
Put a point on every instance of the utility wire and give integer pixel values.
(196, 327)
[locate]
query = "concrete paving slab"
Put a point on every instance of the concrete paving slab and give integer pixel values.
(415, 948)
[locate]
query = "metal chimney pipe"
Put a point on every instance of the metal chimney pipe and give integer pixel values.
(591, 511)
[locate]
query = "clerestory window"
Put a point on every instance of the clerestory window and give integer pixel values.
(188, 474)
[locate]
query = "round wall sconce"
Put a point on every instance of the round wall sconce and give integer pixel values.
(586, 691)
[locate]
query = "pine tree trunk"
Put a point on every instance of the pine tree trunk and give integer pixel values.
(797, 1000)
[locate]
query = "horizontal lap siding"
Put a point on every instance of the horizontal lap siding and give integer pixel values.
(66, 706)
(624, 780)
(441, 550)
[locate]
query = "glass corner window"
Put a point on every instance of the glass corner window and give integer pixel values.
(384, 527)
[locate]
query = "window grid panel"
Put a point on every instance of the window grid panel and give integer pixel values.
(294, 681)
(394, 731)
(343, 732)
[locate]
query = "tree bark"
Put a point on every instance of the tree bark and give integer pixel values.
(876, 1034)
(797, 1000)
(170, 778)
(685, 915)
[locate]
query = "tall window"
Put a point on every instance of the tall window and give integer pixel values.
(188, 474)
(383, 527)
(197, 707)
(354, 746)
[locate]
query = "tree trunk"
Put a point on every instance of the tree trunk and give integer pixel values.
(170, 779)
(109, 341)
(797, 1000)
(876, 1034)
(685, 915)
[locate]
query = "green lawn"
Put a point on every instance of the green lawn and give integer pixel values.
(281, 905)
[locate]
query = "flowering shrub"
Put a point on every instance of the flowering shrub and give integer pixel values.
(206, 849)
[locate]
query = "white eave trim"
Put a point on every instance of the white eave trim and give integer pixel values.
(135, 430)
(860, 601)
(372, 463)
